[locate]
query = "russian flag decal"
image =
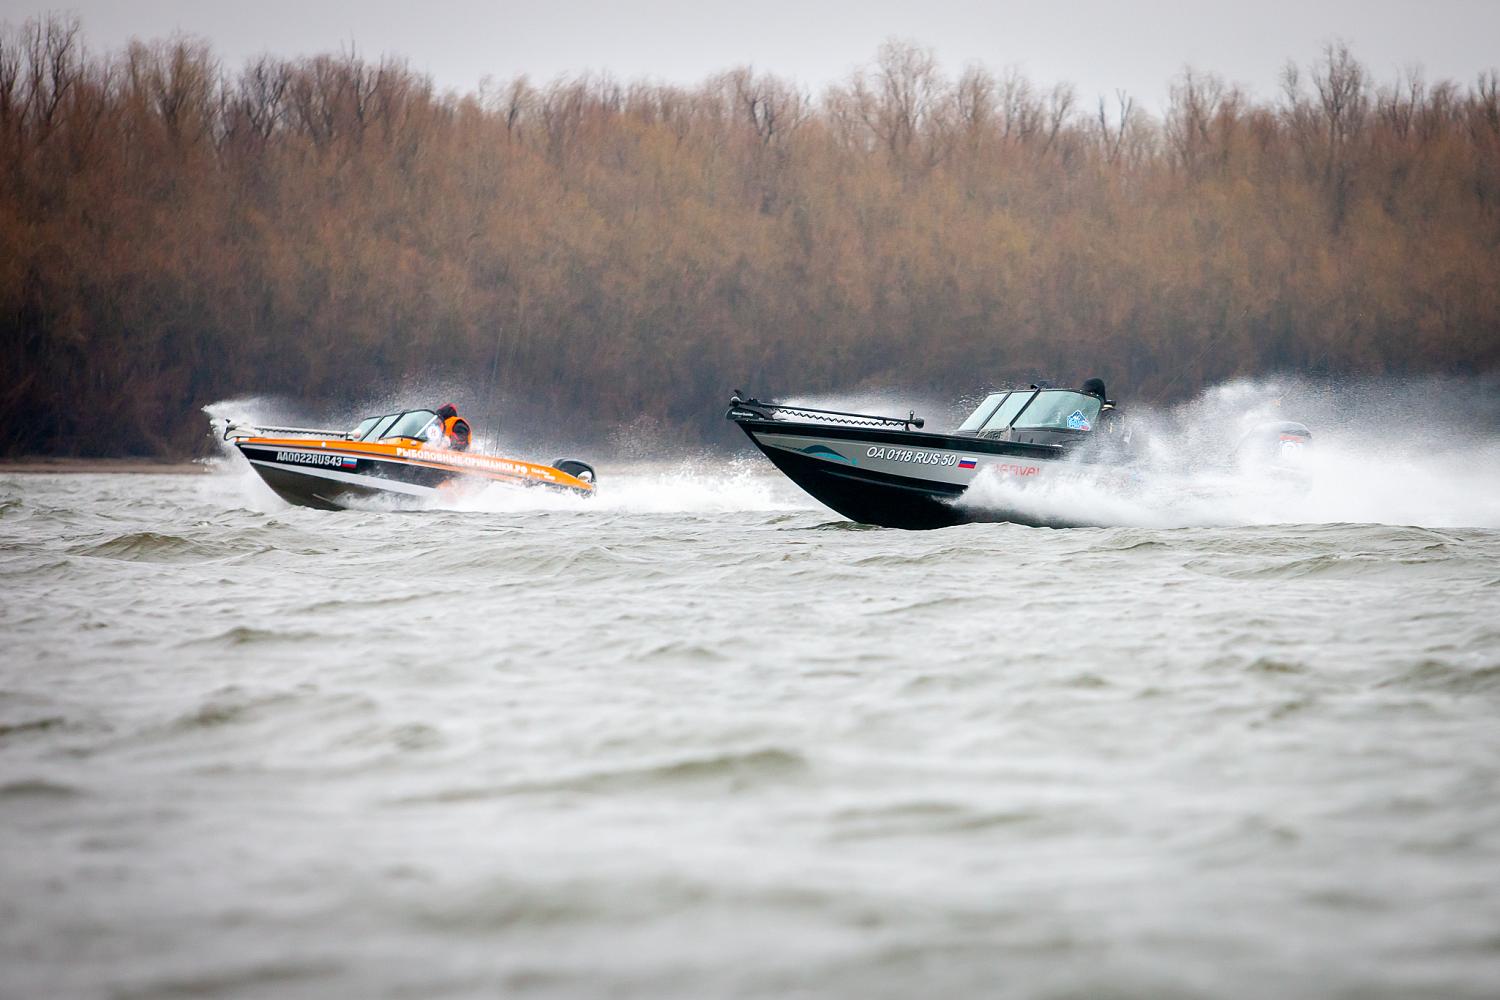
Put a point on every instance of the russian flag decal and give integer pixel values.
(966, 463)
(345, 462)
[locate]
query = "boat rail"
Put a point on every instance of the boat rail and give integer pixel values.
(770, 410)
(234, 428)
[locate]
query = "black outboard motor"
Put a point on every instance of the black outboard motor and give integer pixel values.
(574, 468)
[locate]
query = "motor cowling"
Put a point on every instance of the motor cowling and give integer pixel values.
(1279, 443)
(575, 468)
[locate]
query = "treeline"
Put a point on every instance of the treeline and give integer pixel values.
(600, 254)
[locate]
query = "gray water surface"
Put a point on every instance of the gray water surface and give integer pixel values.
(708, 739)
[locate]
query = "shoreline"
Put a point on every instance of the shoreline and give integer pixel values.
(140, 466)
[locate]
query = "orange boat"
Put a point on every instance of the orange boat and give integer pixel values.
(397, 456)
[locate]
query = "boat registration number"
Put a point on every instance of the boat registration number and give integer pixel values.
(908, 455)
(310, 458)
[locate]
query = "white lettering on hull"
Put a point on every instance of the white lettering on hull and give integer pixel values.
(911, 455)
(482, 463)
(310, 458)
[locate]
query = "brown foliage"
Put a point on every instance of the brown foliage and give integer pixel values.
(171, 234)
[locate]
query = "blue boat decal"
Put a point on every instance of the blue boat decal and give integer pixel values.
(823, 451)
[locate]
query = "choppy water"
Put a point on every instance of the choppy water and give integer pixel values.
(701, 738)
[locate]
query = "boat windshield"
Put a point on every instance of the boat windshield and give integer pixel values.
(982, 412)
(410, 425)
(1061, 409)
(1007, 411)
(374, 428)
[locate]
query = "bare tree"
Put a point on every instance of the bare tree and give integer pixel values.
(976, 104)
(1343, 97)
(1112, 138)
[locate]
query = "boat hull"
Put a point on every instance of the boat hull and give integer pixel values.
(871, 497)
(334, 474)
(895, 478)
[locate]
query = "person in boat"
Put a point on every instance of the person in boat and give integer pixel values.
(1109, 418)
(456, 430)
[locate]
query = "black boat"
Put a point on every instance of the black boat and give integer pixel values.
(889, 471)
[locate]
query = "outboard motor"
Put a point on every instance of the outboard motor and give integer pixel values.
(1280, 444)
(575, 468)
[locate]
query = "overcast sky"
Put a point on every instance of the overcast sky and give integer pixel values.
(1098, 45)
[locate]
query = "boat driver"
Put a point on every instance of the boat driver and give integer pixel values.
(456, 431)
(1109, 420)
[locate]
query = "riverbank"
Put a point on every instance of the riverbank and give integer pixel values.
(152, 466)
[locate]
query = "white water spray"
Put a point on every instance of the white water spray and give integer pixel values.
(1424, 454)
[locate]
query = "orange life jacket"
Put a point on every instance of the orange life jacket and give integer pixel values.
(456, 430)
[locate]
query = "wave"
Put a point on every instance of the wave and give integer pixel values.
(1447, 678)
(738, 768)
(9, 729)
(150, 546)
(38, 788)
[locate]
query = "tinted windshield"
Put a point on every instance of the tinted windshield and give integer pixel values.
(981, 413)
(1062, 409)
(365, 426)
(410, 425)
